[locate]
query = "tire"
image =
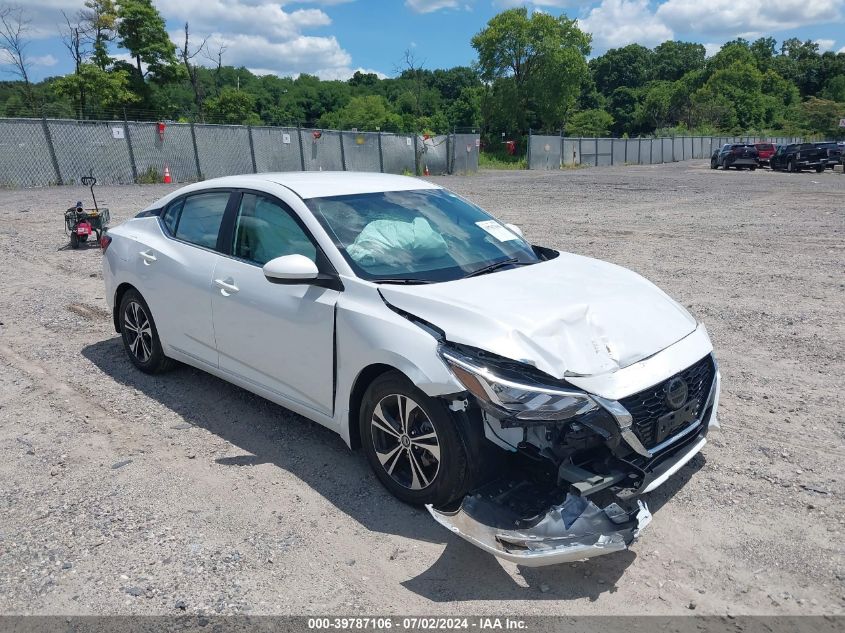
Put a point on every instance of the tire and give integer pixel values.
(819, 169)
(83, 238)
(74, 240)
(409, 468)
(790, 166)
(140, 336)
(753, 168)
(714, 164)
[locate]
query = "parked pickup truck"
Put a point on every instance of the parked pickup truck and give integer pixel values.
(798, 156)
(834, 153)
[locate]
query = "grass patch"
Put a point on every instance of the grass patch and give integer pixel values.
(501, 161)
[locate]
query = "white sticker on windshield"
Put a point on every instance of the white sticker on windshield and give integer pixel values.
(497, 230)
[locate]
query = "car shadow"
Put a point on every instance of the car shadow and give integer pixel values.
(266, 433)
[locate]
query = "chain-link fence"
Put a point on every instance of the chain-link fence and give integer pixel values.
(554, 152)
(38, 152)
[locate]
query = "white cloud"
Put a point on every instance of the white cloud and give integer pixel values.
(43, 60)
(825, 45)
(747, 17)
(615, 23)
(429, 6)
(711, 48)
(841, 50)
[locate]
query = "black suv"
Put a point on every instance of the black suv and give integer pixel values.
(798, 156)
(739, 155)
(834, 153)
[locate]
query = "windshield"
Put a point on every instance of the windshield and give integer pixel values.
(419, 236)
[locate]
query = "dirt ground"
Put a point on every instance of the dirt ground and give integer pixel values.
(125, 493)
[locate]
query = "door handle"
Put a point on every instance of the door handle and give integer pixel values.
(227, 286)
(148, 256)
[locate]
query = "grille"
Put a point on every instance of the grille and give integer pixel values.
(649, 405)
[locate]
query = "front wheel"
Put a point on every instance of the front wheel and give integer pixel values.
(412, 443)
(74, 240)
(819, 169)
(790, 166)
(140, 336)
(714, 164)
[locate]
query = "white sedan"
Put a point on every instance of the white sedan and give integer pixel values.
(528, 397)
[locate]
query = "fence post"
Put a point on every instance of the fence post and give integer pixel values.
(301, 150)
(528, 150)
(196, 151)
(416, 156)
(612, 148)
(561, 149)
(342, 152)
(132, 163)
(448, 151)
(596, 157)
(580, 150)
(49, 138)
(252, 149)
(381, 154)
(626, 150)
(651, 152)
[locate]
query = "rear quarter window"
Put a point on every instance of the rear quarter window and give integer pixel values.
(170, 215)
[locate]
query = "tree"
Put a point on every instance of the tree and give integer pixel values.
(232, 106)
(365, 113)
(821, 116)
(143, 33)
(629, 66)
(72, 35)
(657, 104)
(187, 55)
(672, 60)
(14, 30)
(590, 123)
(100, 17)
(106, 90)
(517, 53)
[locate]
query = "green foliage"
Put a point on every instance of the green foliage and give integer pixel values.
(142, 32)
(364, 113)
(590, 123)
(149, 176)
(531, 73)
(233, 106)
(536, 66)
(102, 89)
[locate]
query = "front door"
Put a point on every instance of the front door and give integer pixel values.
(278, 337)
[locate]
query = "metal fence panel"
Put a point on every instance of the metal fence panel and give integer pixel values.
(322, 150)
(571, 155)
(435, 154)
(398, 153)
(544, 152)
(465, 156)
(91, 148)
(360, 150)
(223, 150)
(276, 149)
(24, 154)
(153, 152)
(604, 152)
(620, 149)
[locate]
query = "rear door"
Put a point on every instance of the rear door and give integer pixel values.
(277, 337)
(176, 270)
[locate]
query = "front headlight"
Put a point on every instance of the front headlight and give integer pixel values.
(523, 400)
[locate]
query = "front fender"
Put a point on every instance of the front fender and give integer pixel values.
(369, 333)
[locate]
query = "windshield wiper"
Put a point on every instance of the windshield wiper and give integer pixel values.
(512, 261)
(401, 280)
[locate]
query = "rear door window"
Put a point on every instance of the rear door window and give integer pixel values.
(201, 217)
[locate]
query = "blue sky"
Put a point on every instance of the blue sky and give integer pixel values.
(333, 38)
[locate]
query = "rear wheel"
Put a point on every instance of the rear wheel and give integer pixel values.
(74, 240)
(412, 443)
(819, 169)
(140, 336)
(790, 166)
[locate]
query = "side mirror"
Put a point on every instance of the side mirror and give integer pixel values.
(291, 269)
(515, 229)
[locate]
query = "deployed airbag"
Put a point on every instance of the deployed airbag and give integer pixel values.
(384, 241)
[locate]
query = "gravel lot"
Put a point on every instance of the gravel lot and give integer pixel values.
(125, 493)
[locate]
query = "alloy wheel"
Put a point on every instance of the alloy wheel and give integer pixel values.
(405, 442)
(139, 334)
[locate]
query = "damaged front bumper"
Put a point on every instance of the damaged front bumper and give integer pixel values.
(574, 530)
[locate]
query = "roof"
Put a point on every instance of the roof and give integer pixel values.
(321, 184)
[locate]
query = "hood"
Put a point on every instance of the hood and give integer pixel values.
(569, 316)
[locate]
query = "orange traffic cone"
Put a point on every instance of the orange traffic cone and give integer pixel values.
(426, 172)
(167, 179)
